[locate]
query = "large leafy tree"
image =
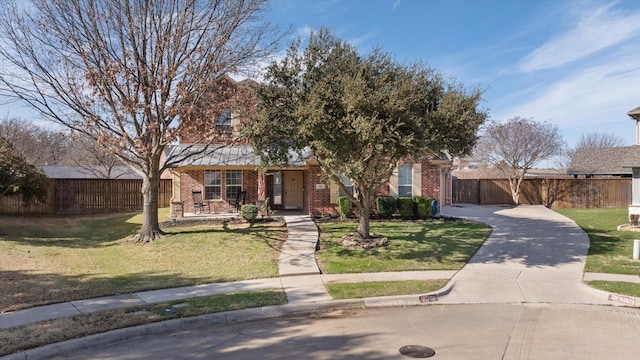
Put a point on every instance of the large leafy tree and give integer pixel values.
(133, 75)
(359, 114)
(516, 146)
(18, 177)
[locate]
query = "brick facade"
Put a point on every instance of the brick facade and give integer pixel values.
(193, 180)
(318, 194)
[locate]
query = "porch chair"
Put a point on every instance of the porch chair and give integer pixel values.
(199, 205)
(240, 200)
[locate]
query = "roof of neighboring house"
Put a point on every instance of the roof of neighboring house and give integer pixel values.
(634, 113)
(605, 161)
(88, 172)
(214, 155)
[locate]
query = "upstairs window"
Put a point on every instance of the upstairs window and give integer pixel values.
(224, 121)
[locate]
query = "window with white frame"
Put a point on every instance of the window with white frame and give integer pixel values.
(233, 182)
(224, 121)
(212, 184)
(405, 180)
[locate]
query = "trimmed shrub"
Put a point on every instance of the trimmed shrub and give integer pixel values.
(249, 212)
(345, 206)
(387, 206)
(405, 207)
(423, 207)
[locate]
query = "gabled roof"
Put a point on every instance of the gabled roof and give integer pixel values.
(604, 161)
(215, 155)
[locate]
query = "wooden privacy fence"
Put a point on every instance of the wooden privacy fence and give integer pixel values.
(87, 196)
(554, 193)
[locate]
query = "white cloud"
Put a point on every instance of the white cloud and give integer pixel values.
(599, 30)
(595, 99)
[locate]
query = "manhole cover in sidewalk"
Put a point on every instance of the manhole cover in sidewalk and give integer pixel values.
(417, 351)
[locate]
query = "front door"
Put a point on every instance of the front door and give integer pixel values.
(293, 190)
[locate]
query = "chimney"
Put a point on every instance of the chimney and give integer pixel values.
(635, 115)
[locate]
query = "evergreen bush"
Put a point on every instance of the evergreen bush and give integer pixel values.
(345, 206)
(423, 207)
(406, 207)
(249, 212)
(387, 206)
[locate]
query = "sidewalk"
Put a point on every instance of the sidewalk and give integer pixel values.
(522, 261)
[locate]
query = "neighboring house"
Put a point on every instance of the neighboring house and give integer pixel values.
(632, 163)
(225, 174)
(88, 172)
(597, 162)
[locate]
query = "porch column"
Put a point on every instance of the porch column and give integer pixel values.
(634, 208)
(262, 187)
(176, 207)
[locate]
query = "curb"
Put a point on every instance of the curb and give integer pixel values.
(222, 318)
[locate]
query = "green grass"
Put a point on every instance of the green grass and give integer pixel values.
(384, 288)
(413, 245)
(617, 287)
(85, 257)
(610, 251)
(52, 331)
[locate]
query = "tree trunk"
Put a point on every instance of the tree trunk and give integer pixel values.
(514, 184)
(150, 229)
(364, 213)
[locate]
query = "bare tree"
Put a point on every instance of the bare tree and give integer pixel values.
(129, 73)
(37, 145)
(590, 140)
(516, 146)
(94, 159)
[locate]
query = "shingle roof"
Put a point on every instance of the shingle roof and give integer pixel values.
(200, 155)
(605, 161)
(88, 172)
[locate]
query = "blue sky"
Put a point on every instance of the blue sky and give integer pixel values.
(573, 63)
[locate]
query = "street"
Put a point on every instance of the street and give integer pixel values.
(481, 331)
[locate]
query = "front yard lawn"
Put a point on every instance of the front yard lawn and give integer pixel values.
(51, 260)
(610, 251)
(413, 245)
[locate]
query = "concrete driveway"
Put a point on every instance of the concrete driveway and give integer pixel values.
(533, 255)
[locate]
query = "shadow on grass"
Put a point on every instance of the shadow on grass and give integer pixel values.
(24, 289)
(601, 227)
(272, 234)
(77, 232)
(433, 242)
(107, 230)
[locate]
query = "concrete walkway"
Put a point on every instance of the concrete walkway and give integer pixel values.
(533, 255)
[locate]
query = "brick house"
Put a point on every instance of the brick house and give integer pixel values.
(225, 174)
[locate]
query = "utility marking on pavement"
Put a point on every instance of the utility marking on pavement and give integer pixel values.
(428, 298)
(622, 299)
